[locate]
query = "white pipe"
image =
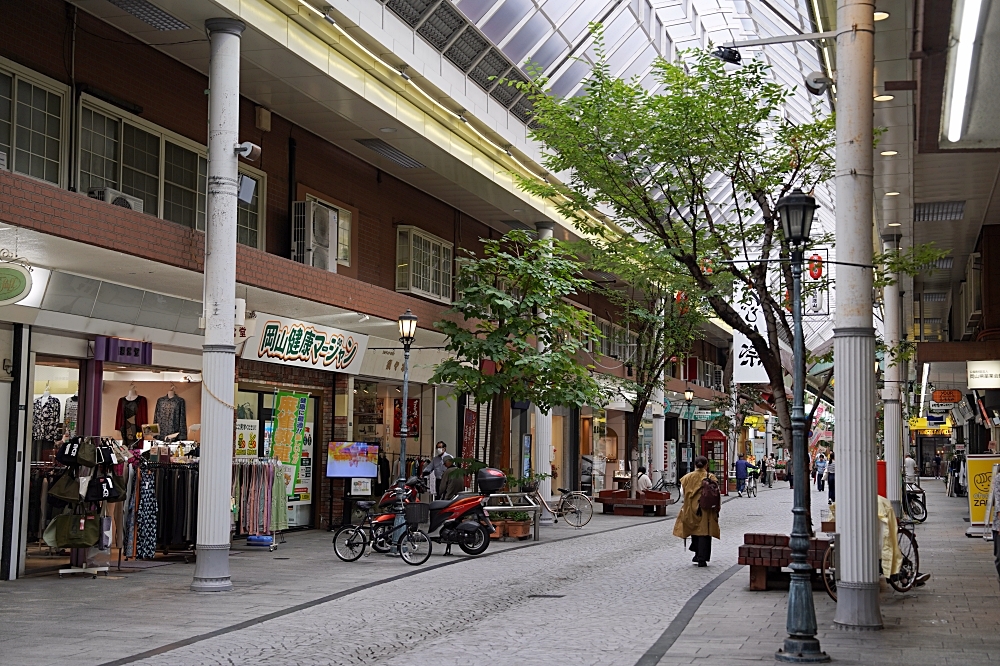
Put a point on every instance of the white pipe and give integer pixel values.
(211, 572)
(854, 335)
(892, 436)
(543, 420)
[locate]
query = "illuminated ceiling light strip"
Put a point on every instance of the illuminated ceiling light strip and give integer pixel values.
(963, 68)
(923, 387)
(312, 9)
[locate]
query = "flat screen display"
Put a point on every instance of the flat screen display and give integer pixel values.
(352, 459)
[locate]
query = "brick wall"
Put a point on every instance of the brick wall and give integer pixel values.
(318, 383)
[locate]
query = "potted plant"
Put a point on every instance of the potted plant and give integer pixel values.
(518, 524)
(529, 483)
(500, 524)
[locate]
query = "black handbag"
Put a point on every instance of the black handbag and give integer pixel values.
(66, 489)
(102, 489)
(68, 450)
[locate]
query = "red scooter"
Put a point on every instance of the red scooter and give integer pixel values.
(463, 520)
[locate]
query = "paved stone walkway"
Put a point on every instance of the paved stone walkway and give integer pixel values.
(601, 595)
(953, 619)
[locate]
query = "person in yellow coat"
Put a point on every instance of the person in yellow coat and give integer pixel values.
(693, 521)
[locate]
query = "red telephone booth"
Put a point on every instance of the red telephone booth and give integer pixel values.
(714, 446)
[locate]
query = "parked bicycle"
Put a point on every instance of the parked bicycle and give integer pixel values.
(572, 505)
(916, 504)
(413, 545)
(750, 487)
(350, 542)
(908, 570)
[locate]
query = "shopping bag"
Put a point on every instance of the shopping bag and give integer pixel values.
(66, 488)
(86, 455)
(77, 530)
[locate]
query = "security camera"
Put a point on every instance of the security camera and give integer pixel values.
(248, 151)
(817, 83)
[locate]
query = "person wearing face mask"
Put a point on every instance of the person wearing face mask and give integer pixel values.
(437, 466)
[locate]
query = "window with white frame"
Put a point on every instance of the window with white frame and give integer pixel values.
(342, 217)
(31, 124)
(423, 264)
(168, 172)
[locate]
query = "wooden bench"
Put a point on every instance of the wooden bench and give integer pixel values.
(618, 502)
(767, 554)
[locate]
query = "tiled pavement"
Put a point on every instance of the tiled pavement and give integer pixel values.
(953, 619)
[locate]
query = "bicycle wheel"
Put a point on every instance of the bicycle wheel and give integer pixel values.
(918, 510)
(752, 487)
(415, 547)
(830, 573)
(349, 543)
(382, 537)
(907, 576)
(577, 509)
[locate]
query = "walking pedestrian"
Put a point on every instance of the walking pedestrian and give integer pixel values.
(742, 467)
(820, 471)
(437, 467)
(910, 469)
(830, 477)
(937, 465)
(699, 516)
(769, 469)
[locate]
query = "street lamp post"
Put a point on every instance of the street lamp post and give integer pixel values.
(801, 646)
(688, 397)
(407, 332)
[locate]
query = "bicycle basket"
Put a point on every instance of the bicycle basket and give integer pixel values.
(417, 512)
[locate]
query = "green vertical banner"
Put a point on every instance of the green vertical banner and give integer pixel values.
(289, 432)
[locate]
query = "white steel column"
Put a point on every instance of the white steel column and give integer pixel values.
(854, 335)
(211, 572)
(893, 436)
(543, 420)
(656, 465)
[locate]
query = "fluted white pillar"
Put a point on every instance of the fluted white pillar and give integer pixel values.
(211, 572)
(854, 335)
(892, 437)
(543, 420)
(656, 465)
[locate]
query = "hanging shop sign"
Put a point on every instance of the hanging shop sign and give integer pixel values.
(289, 433)
(755, 421)
(120, 350)
(917, 423)
(298, 343)
(980, 471)
(247, 436)
(983, 374)
(412, 420)
(15, 283)
(469, 434)
(941, 407)
(748, 367)
(949, 396)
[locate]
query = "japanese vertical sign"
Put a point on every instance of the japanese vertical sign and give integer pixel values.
(469, 434)
(289, 433)
(747, 366)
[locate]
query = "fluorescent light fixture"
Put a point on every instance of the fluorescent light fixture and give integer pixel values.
(881, 16)
(888, 153)
(892, 194)
(893, 224)
(884, 98)
(923, 389)
(312, 9)
(963, 68)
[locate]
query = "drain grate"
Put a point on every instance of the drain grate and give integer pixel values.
(546, 596)
(282, 558)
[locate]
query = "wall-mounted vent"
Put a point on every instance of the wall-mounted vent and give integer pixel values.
(390, 153)
(935, 296)
(465, 51)
(504, 92)
(441, 26)
(149, 13)
(939, 211)
(490, 69)
(409, 10)
(944, 263)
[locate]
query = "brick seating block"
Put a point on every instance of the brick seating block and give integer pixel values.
(766, 553)
(627, 506)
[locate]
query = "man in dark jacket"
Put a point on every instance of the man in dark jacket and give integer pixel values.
(742, 472)
(454, 480)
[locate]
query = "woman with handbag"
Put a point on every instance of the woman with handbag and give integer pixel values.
(699, 515)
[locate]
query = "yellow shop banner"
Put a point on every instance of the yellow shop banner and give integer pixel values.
(980, 468)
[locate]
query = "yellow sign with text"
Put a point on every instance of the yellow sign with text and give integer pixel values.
(755, 421)
(980, 468)
(917, 423)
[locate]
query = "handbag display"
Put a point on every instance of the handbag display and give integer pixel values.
(86, 455)
(102, 488)
(77, 530)
(67, 451)
(66, 488)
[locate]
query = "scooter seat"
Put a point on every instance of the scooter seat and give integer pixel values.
(437, 505)
(364, 505)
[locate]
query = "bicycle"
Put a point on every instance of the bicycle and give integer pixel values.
(751, 486)
(916, 506)
(572, 505)
(903, 581)
(350, 542)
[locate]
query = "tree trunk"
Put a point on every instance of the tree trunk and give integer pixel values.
(633, 420)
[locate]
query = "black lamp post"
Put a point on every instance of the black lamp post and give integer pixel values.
(801, 646)
(407, 332)
(688, 397)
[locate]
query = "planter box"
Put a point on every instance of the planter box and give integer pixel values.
(501, 526)
(518, 528)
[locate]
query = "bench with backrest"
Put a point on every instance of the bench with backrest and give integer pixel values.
(767, 554)
(618, 502)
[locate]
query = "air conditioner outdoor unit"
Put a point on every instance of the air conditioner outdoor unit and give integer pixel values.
(717, 378)
(312, 226)
(115, 198)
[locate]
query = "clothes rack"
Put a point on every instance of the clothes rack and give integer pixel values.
(260, 506)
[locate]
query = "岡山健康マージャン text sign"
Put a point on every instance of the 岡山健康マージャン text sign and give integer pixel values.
(291, 342)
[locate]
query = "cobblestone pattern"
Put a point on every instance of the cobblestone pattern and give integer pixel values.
(620, 590)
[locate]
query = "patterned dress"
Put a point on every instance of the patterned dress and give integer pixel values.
(45, 425)
(146, 516)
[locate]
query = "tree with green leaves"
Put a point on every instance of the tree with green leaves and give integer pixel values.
(695, 169)
(519, 337)
(646, 295)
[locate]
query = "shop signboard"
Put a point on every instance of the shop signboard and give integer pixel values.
(947, 396)
(469, 434)
(748, 367)
(247, 436)
(121, 350)
(917, 423)
(362, 487)
(980, 471)
(298, 343)
(412, 420)
(15, 283)
(983, 374)
(940, 407)
(289, 433)
(755, 421)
